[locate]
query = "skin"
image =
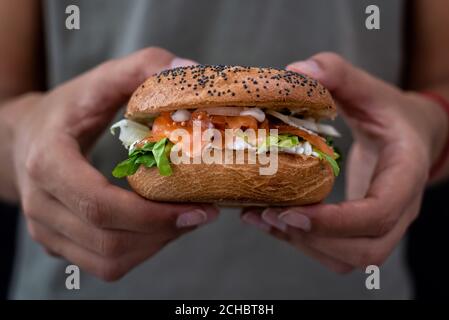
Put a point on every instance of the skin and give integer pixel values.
(46, 135)
(398, 135)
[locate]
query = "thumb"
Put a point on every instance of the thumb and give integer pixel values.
(348, 84)
(181, 62)
(109, 85)
(113, 82)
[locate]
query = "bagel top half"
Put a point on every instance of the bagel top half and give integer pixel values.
(203, 86)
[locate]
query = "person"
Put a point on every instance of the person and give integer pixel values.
(56, 161)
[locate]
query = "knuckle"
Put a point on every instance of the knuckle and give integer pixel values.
(109, 271)
(385, 225)
(331, 224)
(111, 246)
(89, 208)
(34, 164)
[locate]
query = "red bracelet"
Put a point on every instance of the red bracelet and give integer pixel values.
(444, 103)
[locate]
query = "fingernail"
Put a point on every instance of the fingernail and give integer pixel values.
(270, 216)
(180, 62)
(255, 220)
(308, 67)
(191, 218)
(296, 219)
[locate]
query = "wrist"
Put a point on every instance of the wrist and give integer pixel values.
(437, 108)
(12, 113)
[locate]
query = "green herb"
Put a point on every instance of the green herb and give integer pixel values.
(126, 168)
(332, 162)
(161, 157)
(287, 141)
(282, 141)
(151, 154)
(147, 160)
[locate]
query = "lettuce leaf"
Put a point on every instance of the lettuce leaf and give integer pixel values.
(287, 141)
(282, 140)
(332, 162)
(151, 154)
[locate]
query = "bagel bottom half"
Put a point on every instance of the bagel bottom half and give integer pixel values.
(299, 180)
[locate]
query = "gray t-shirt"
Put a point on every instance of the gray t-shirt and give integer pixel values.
(225, 259)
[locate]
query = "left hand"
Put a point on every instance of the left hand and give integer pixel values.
(397, 137)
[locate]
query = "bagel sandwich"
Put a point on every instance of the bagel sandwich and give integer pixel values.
(238, 103)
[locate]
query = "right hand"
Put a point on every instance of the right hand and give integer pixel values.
(70, 208)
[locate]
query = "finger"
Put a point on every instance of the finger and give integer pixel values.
(108, 269)
(359, 177)
(181, 62)
(350, 85)
(82, 189)
(374, 215)
(110, 84)
(361, 252)
(107, 243)
(253, 217)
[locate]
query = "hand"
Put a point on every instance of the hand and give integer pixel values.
(397, 136)
(70, 208)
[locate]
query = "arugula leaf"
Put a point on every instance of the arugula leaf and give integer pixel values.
(147, 160)
(152, 154)
(332, 162)
(161, 157)
(148, 146)
(126, 168)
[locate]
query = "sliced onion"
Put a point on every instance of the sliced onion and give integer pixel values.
(256, 113)
(224, 111)
(307, 125)
(130, 131)
(288, 120)
(181, 115)
(328, 130)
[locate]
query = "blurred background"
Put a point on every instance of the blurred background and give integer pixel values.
(424, 257)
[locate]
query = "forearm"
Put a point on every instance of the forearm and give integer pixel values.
(427, 69)
(435, 121)
(11, 112)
